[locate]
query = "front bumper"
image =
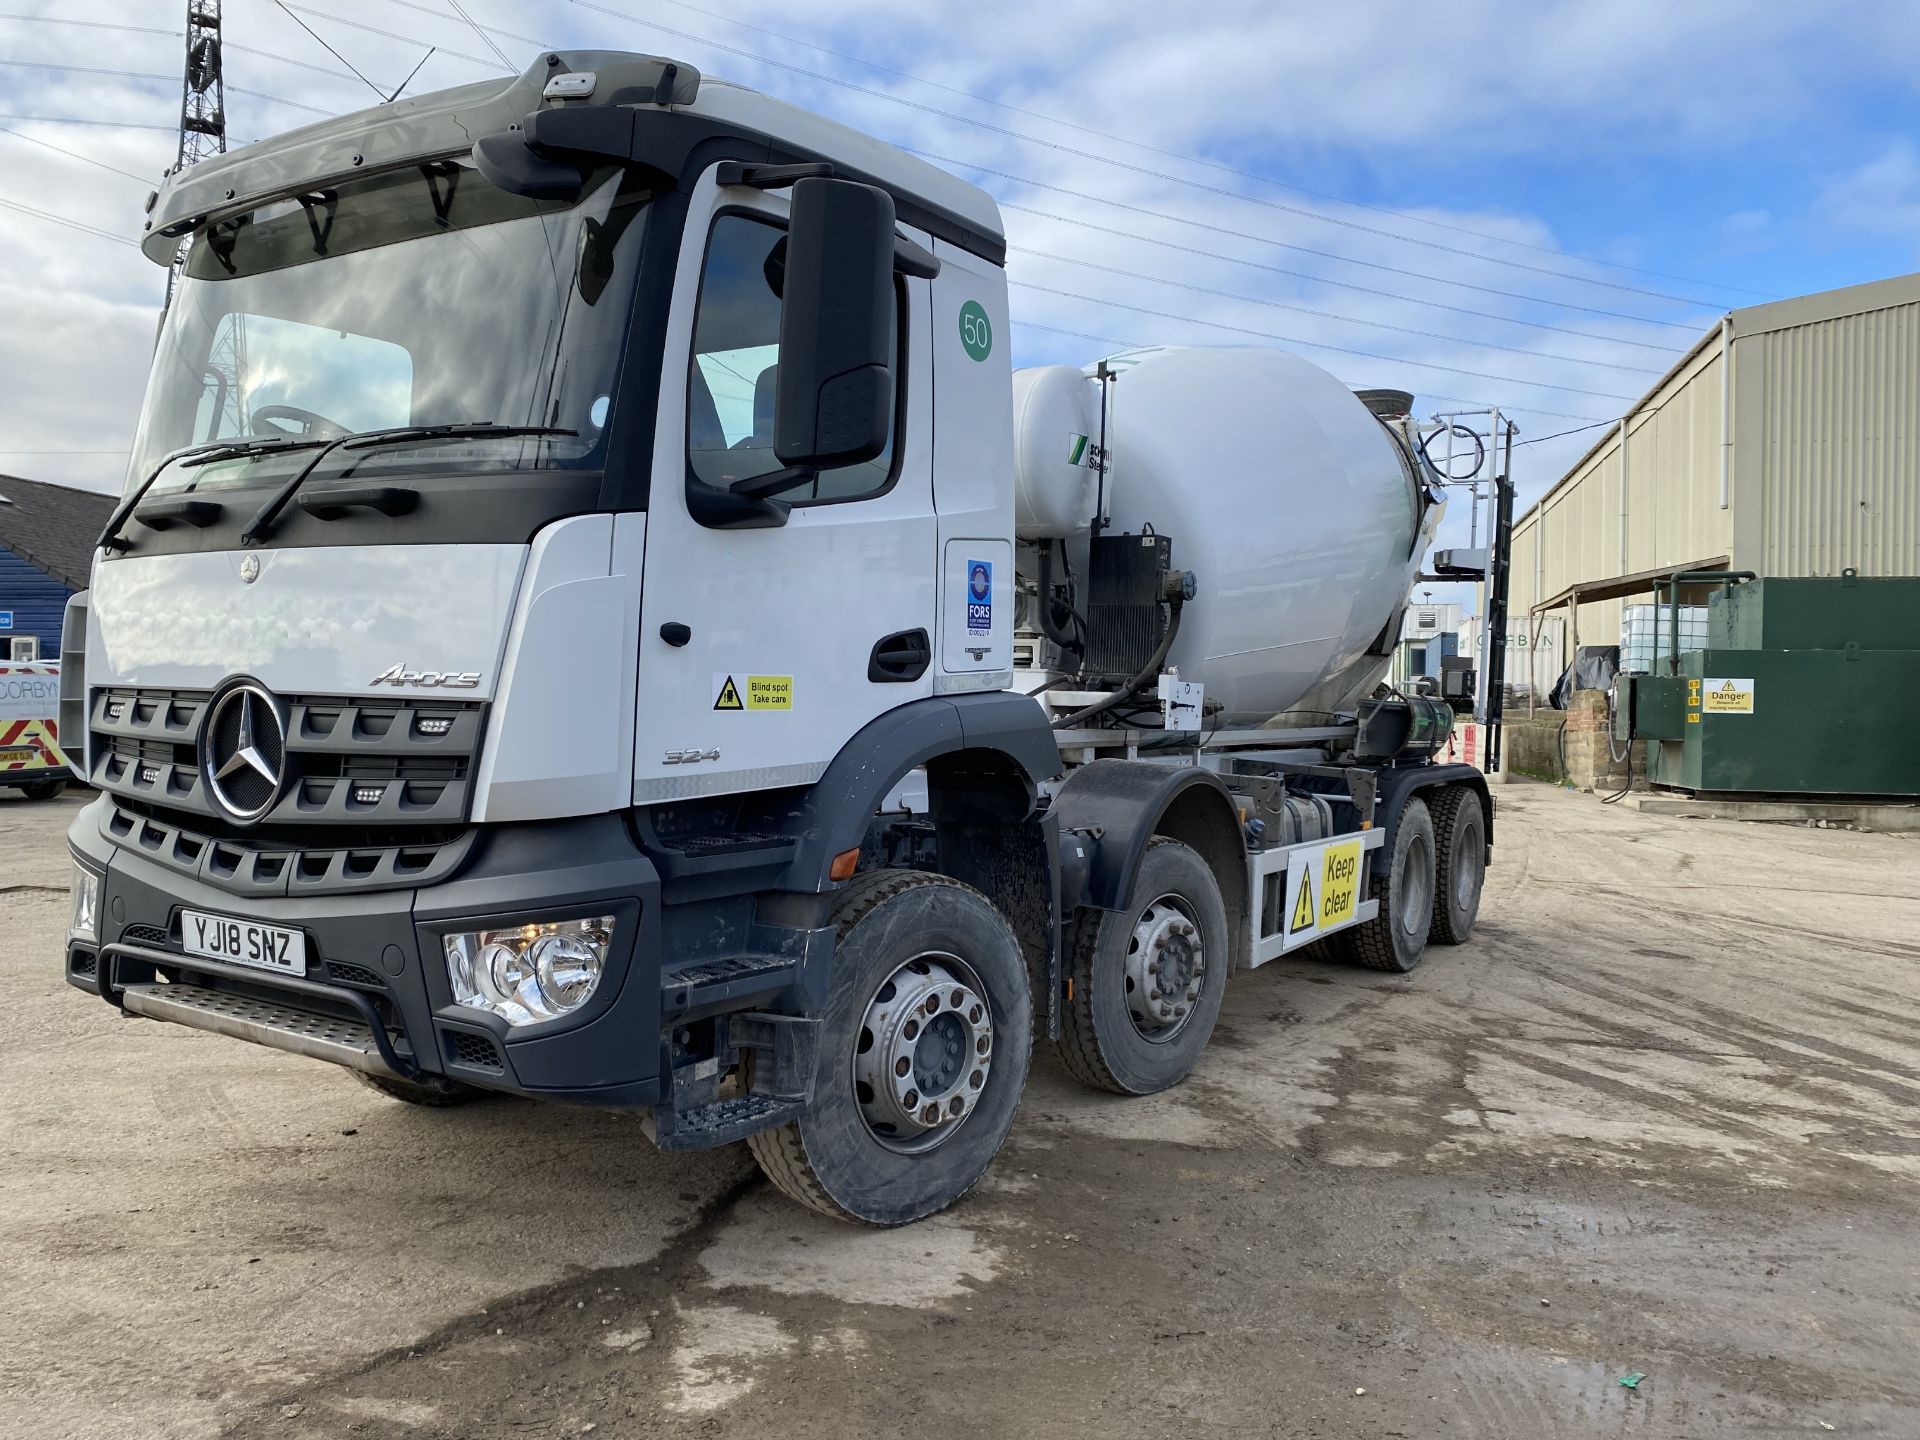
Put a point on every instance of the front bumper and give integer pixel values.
(376, 996)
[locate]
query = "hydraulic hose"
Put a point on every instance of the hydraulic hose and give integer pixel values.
(1139, 682)
(1049, 626)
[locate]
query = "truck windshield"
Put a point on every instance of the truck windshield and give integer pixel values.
(420, 296)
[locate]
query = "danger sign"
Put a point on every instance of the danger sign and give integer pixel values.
(1726, 697)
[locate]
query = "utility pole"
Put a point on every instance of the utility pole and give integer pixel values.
(203, 100)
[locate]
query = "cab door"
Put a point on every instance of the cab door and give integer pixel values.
(763, 650)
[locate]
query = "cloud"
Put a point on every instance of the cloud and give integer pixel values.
(1380, 93)
(1881, 198)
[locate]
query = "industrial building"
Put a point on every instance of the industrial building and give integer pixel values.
(47, 535)
(1786, 442)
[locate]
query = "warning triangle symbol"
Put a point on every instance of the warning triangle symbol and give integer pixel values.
(1303, 907)
(729, 696)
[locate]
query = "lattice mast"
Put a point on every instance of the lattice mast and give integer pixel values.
(203, 99)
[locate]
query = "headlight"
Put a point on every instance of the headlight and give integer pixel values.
(84, 921)
(531, 972)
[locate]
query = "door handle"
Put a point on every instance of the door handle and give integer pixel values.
(900, 657)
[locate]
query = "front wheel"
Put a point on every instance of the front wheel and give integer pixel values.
(922, 1058)
(433, 1092)
(1148, 980)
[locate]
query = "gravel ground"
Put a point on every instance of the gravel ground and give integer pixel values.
(1659, 1118)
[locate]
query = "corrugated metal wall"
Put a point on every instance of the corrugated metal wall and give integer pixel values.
(1837, 468)
(1824, 468)
(1673, 514)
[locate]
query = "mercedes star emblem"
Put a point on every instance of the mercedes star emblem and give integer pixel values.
(245, 751)
(250, 569)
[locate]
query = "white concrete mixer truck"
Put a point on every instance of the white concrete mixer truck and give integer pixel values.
(593, 616)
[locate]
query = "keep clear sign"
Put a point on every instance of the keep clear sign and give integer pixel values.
(1323, 889)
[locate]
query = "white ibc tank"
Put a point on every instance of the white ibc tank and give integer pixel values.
(1297, 511)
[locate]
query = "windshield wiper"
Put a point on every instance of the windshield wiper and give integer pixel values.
(261, 525)
(207, 454)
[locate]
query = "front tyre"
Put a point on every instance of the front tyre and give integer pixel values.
(923, 1054)
(433, 1092)
(1148, 980)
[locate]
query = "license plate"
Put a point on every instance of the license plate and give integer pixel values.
(18, 757)
(243, 942)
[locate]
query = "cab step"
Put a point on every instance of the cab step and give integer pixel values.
(732, 982)
(722, 1122)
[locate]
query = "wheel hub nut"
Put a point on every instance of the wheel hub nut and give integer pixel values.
(925, 1044)
(1164, 968)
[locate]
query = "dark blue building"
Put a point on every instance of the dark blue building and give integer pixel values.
(47, 534)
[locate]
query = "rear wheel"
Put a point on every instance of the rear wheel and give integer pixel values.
(1148, 981)
(43, 789)
(434, 1092)
(1460, 863)
(922, 1058)
(1396, 938)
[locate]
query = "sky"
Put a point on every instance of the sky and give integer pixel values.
(1533, 205)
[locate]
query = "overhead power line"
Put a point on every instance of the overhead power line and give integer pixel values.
(74, 155)
(1330, 315)
(1189, 223)
(1562, 434)
(463, 15)
(1458, 339)
(159, 79)
(79, 225)
(1317, 344)
(787, 39)
(1148, 171)
(395, 35)
(1329, 280)
(90, 70)
(232, 48)
(85, 120)
(1021, 136)
(1123, 345)
(1185, 221)
(330, 50)
(89, 24)
(485, 38)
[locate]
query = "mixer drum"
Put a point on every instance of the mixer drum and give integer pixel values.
(1300, 514)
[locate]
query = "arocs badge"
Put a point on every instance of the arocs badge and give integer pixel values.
(979, 596)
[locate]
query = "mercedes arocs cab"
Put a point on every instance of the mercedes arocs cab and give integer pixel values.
(595, 616)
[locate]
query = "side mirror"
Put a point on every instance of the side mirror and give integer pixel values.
(834, 402)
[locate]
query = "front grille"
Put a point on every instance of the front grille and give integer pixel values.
(265, 867)
(85, 964)
(466, 1048)
(373, 763)
(143, 935)
(354, 975)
